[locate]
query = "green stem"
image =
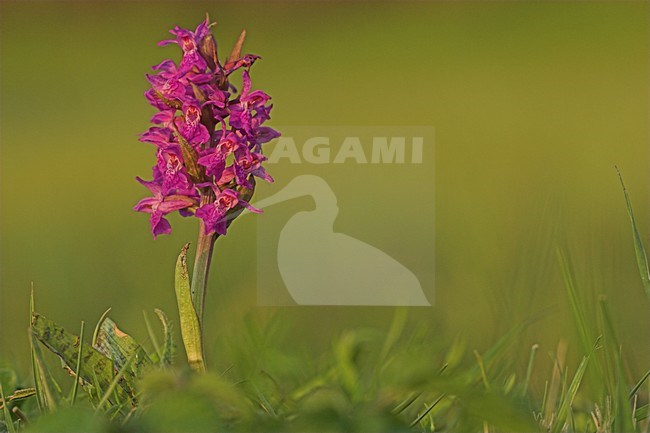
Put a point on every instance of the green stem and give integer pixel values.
(204, 247)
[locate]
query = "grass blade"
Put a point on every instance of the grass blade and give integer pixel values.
(168, 345)
(426, 412)
(641, 257)
(575, 301)
(623, 410)
(19, 394)
(567, 398)
(564, 409)
(529, 369)
(152, 335)
(406, 403)
(75, 388)
(40, 397)
(394, 333)
(97, 327)
(116, 380)
(638, 384)
(8, 421)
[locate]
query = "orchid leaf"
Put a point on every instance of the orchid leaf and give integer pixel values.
(119, 346)
(97, 370)
(190, 327)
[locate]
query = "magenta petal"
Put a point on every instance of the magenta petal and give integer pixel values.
(250, 207)
(165, 66)
(211, 215)
(152, 186)
(145, 204)
(170, 205)
(246, 84)
(159, 225)
(214, 164)
(203, 92)
(165, 117)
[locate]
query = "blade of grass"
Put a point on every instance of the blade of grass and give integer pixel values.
(475, 372)
(19, 394)
(77, 370)
(641, 257)
(567, 398)
(642, 412)
(40, 397)
(544, 399)
(46, 381)
(7, 416)
(575, 301)
(168, 346)
(623, 410)
(98, 389)
(406, 403)
(428, 409)
(98, 327)
(551, 396)
(113, 385)
(611, 343)
(20, 415)
(638, 384)
(152, 336)
(479, 360)
(529, 369)
(617, 382)
(394, 332)
(564, 409)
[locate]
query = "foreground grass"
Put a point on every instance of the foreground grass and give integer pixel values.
(368, 381)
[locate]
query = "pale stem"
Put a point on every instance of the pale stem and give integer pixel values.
(204, 247)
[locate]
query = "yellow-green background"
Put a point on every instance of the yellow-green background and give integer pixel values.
(532, 102)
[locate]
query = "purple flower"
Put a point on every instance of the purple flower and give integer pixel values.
(229, 143)
(169, 171)
(218, 99)
(167, 69)
(250, 111)
(191, 128)
(158, 136)
(214, 214)
(189, 42)
(262, 135)
(214, 162)
(214, 159)
(170, 88)
(159, 206)
(164, 117)
(249, 163)
(207, 136)
(245, 62)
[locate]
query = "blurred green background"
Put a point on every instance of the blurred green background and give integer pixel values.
(533, 104)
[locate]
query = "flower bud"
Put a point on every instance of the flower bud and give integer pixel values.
(208, 50)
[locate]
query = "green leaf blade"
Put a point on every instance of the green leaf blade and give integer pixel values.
(639, 250)
(189, 321)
